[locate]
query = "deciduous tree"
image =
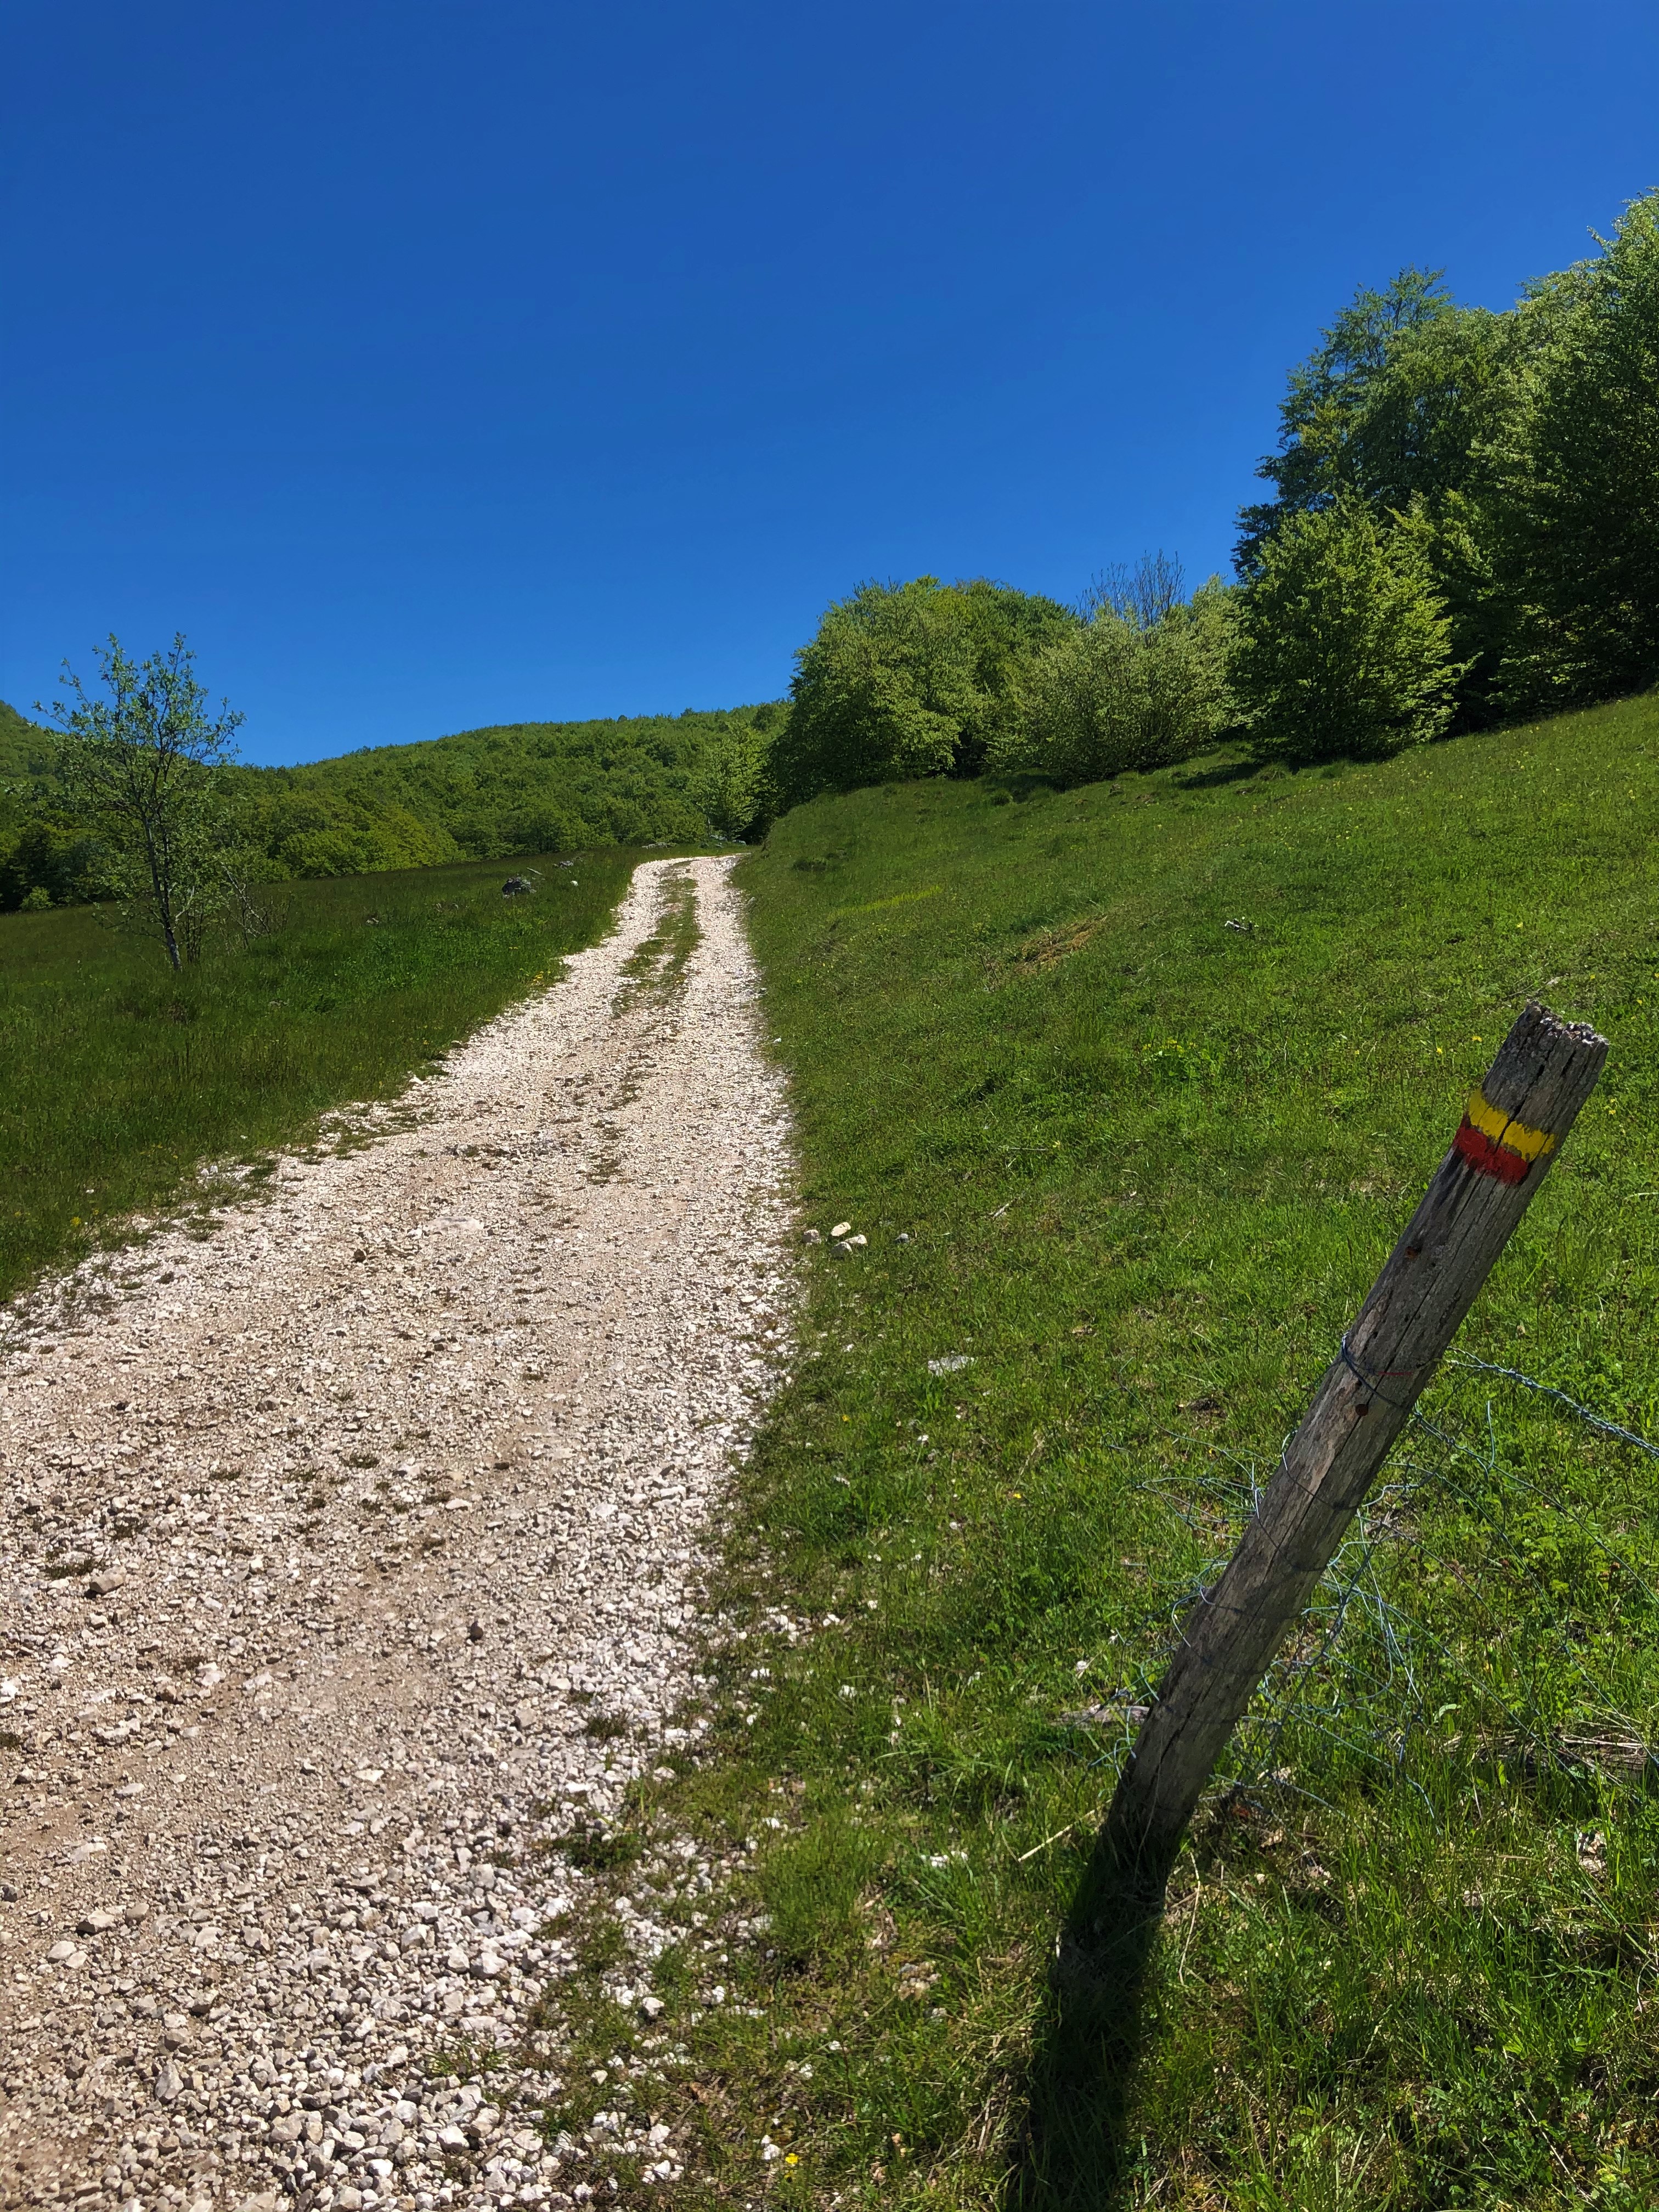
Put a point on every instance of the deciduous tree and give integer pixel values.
(1344, 644)
(142, 769)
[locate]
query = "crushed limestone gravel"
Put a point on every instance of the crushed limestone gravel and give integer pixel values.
(349, 1560)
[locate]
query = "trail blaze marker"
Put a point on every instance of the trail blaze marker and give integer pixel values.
(1493, 1143)
(1511, 1133)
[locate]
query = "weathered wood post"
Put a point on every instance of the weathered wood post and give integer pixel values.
(1544, 1071)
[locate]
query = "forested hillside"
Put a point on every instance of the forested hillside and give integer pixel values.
(522, 788)
(483, 795)
(22, 746)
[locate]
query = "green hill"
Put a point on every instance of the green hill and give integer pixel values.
(522, 788)
(1131, 1091)
(24, 753)
(483, 795)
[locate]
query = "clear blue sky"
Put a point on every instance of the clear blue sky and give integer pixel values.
(440, 362)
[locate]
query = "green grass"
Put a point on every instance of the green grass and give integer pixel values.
(117, 1076)
(1148, 1166)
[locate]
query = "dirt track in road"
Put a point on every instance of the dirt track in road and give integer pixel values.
(349, 1554)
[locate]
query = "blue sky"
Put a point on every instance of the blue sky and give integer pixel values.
(455, 362)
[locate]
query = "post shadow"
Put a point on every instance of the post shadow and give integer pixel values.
(1072, 2151)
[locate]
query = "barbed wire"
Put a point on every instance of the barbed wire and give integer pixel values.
(1585, 1413)
(1372, 1673)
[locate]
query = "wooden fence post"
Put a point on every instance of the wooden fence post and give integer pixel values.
(1544, 1071)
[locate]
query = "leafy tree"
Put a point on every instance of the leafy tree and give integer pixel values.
(910, 679)
(48, 862)
(1008, 630)
(142, 769)
(728, 783)
(885, 689)
(1572, 519)
(1344, 643)
(1142, 684)
(1414, 405)
(1390, 407)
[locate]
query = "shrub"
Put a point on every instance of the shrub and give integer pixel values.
(1123, 692)
(906, 680)
(1344, 642)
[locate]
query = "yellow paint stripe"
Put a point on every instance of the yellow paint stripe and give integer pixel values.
(1513, 1136)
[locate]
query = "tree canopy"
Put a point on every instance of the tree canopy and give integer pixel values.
(1526, 443)
(903, 680)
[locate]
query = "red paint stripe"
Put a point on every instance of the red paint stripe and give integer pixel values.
(1487, 1158)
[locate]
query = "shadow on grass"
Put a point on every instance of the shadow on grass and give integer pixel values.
(1074, 2152)
(1220, 774)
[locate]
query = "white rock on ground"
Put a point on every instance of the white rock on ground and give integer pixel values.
(326, 1539)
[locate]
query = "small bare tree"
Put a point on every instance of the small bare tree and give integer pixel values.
(253, 904)
(1142, 595)
(143, 767)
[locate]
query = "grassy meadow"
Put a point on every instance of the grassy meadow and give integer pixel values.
(118, 1076)
(1130, 1091)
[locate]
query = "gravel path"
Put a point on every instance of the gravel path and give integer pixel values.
(349, 1555)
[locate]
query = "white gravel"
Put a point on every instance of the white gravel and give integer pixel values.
(350, 1549)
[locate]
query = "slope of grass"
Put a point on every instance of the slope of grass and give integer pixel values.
(118, 1076)
(1130, 1092)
